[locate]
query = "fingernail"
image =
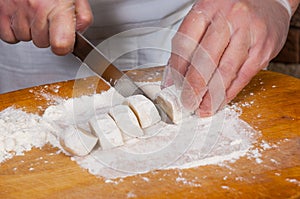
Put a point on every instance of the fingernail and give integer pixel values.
(201, 113)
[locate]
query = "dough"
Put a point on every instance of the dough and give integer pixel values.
(144, 110)
(77, 141)
(169, 101)
(126, 120)
(105, 128)
(151, 89)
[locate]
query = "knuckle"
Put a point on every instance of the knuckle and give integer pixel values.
(177, 42)
(259, 29)
(32, 3)
(181, 44)
(227, 67)
(201, 5)
(241, 7)
(86, 19)
(60, 48)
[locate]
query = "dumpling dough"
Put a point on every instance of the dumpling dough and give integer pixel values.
(144, 110)
(126, 120)
(169, 101)
(151, 89)
(105, 128)
(77, 141)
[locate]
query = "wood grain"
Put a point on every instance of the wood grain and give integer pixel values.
(274, 110)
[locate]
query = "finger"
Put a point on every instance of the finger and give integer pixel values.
(205, 61)
(84, 15)
(193, 89)
(259, 56)
(62, 28)
(167, 79)
(185, 42)
(40, 27)
(6, 33)
(212, 46)
(234, 56)
(248, 70)
(231, 61)
(20, 25)
(214, 97)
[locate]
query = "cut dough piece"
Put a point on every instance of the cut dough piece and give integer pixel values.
(77, 141)
(169, 101)
(151, 89)
(144, 110)
(105, 128)
(126, 120)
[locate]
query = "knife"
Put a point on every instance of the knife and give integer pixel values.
(99, 64)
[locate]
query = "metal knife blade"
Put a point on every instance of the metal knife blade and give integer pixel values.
(99, 64)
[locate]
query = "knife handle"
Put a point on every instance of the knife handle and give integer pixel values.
(98, 63)
(81, 47)
(86, 52)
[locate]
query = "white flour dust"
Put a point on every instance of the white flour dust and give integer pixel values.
(20, 131)
(193, 143)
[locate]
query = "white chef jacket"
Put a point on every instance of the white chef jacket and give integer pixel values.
(131, 33)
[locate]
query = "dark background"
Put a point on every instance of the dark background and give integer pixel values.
(288, 60)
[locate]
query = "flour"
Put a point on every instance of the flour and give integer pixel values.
(192, 143)
(20, 131)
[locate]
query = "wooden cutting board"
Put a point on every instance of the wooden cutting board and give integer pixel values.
(271, 105)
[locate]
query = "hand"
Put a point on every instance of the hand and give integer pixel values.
(45, 22)
(220, 46)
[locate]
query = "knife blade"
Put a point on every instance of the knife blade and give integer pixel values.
(102, 67)
(99, 64)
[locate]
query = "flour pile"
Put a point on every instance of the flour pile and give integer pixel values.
(20, 131)
(192, 143)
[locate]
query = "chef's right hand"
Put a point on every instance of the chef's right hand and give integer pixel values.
(45, 22)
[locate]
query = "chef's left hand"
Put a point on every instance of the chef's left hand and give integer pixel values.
(220, 46)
